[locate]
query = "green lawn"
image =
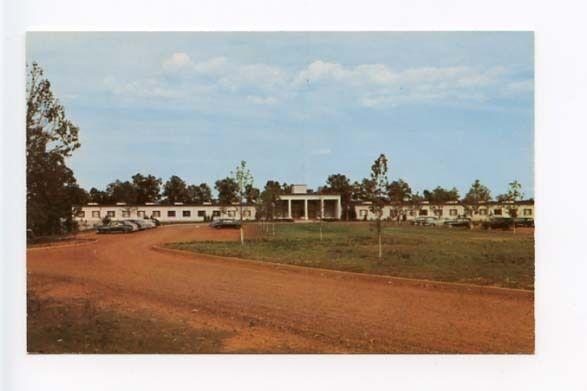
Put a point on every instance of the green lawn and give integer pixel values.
(497, 258)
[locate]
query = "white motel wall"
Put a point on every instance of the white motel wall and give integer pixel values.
(449, 210)
(91, 215)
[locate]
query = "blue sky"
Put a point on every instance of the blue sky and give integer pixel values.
(446, 108)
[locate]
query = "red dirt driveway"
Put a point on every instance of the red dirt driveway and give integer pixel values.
(270, 308)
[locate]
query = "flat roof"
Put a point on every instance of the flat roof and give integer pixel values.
(167, 205)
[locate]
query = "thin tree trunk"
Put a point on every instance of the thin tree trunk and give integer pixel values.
(241, 227)
(380, 248)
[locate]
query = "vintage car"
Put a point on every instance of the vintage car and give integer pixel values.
(428, 221)
(141, 224)
(524, 222)
(155, 221)
(225, 223)
(460, 222)
(114, 227)
(498, 223)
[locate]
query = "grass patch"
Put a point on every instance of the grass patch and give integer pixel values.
(40, 241)
(497, 258)
(76, 326)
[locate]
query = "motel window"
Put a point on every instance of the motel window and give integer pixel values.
(201, 213)
(453, 212)
(140, 213)
(110, 213)
(186, 213)
(81, 214)
(527, 212)
(215, 213)
(96, 214)
(170, 213)
(246, 213)
(497, 212)
(423, 212)
(412, 213)
(230, 213)
(156, 213)
(483, 212)
(125, 213)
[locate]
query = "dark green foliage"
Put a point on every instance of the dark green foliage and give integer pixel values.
(147, 188)
(399, 191)
(251, 194)
(52, 190)
(99, 196)
(200, 193)
(175, 190)
(477, 193)
(119, 191)
(227, 190)
(268, 206)
(340, 184)
(441, 195)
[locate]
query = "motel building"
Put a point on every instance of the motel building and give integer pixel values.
(299, 205)
(91, 215)
(447, 211)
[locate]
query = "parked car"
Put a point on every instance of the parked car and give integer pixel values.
(148, 224)
(115, 226)
(155, 221)
(225, 223)
(141, 224)
(460, 222)
(135, 226)
(428, 221)
(525, 222)
(498, 223)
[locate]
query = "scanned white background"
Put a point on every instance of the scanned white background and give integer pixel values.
(560, 149)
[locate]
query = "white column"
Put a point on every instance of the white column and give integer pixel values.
(321, 208)
(306, 209)
(289, 209)
(338, 209)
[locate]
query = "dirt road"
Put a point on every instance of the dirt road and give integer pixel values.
(269, 308)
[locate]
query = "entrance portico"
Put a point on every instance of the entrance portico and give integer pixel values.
(312, 206)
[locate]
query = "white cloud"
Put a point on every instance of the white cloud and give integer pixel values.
(212, 66)
(368, 85)
(181, 61)
(177, 61)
